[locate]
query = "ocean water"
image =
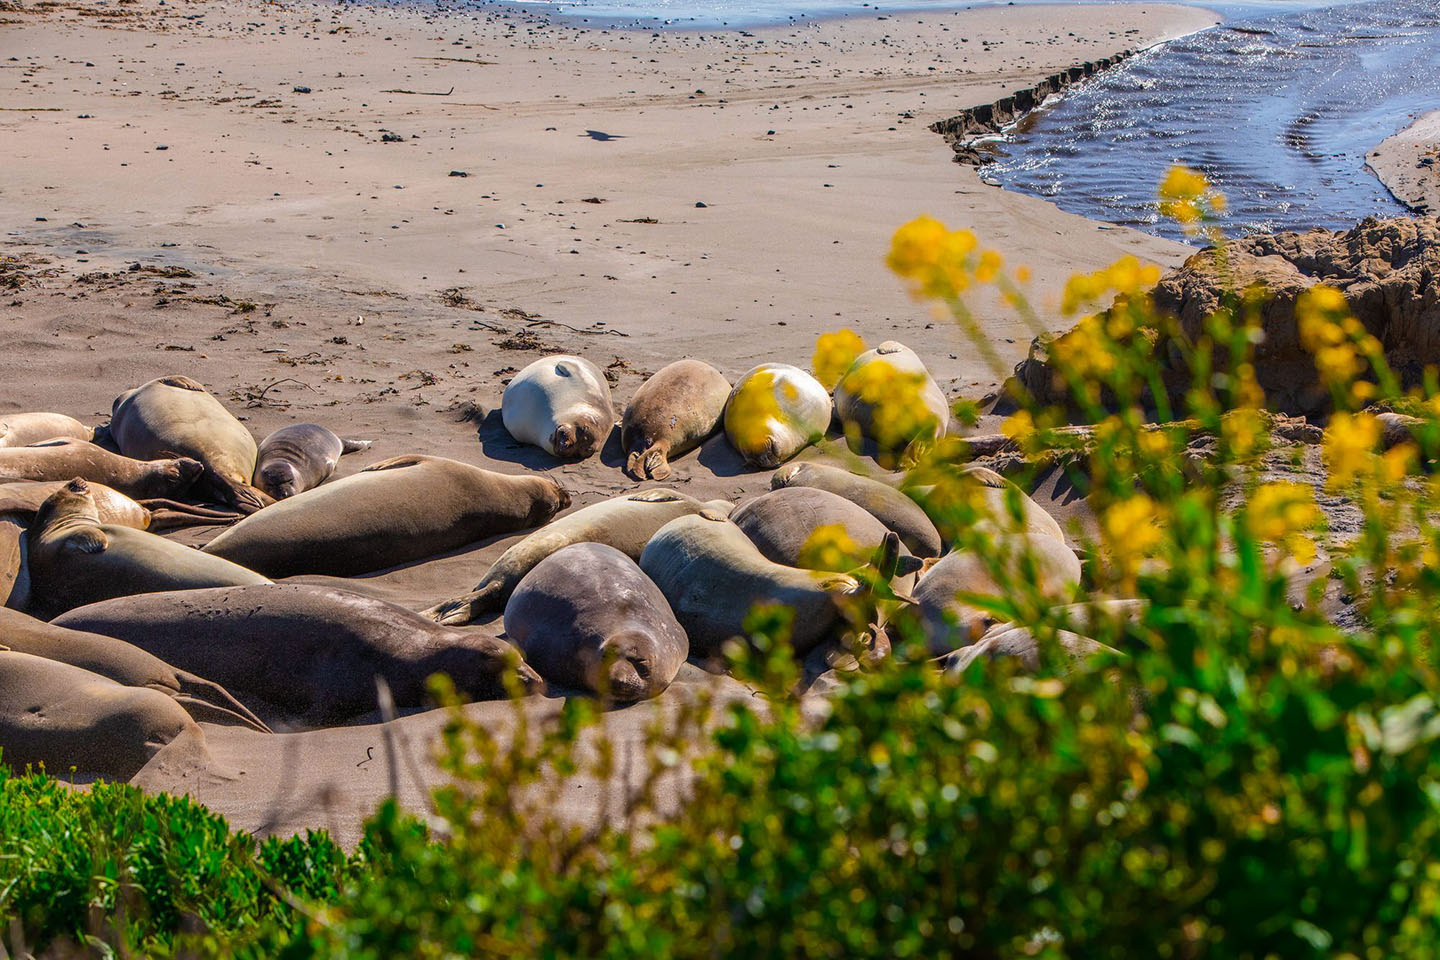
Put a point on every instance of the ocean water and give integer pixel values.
(1278, 107)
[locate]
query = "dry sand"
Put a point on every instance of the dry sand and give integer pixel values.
(1409, 164)
(281, 251)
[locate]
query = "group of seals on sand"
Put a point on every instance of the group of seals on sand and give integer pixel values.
(612, 598)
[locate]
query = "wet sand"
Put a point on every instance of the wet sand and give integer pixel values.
(1409, 164)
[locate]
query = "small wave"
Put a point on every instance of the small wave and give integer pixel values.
(1281, 120)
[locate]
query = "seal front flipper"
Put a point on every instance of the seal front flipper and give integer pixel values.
(183, 383)
(656, 495)
(173, 515)
(89, 540)
(394, 463)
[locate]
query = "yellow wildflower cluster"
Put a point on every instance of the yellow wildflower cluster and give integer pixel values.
(1126, 278)
(755, 407)
(1131, 529)
(1337, 341)
(830, 548)
(834, 353)
(939, 262)
(1187, 197)
(898, 415)
(1284, 512)
(1087, 351)
(1351, 451)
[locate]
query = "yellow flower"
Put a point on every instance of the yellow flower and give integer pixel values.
(1330, 333)
(893, 398)
(934, 259)
(1186, 197)
(1019, 426)
(1350, 442)
(834, 353)
(1132, 530)
(1086, 350)
(830, 548)
(1154, 445)
(988, 267)
(1282, 512)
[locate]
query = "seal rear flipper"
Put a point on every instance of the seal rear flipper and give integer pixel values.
(353, 446)
(173, 515)
(655, 495)
(635, 465)
(460, 611)
(656, 465)
(204, 711)
(243, 497)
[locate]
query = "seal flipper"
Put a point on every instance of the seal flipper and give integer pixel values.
(656, 465)
(487, 598)
(353, 446)
(87, 540)
(208, 701)
(184, 383)
(173, 515)
(656, 495)
(395, 463)
(241, 496)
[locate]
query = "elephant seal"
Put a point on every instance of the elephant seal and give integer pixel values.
(950, 622)
(671, 414)
(74, 559)
(175, 416)
(886, 504)
(625, 523)
(67, 718)
(889, 396)
(713, 576)
(984, 495)
(774, 412)
(392, 512)
(1020, 644)
(299, 457)
(23, 498)
(23, 429)
(783, 523)
(64, 460)
(306, 654)
(14, 578)
(561, 405)
(125, 664)
(587, 617)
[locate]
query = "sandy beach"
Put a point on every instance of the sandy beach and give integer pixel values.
(1409, 164)
(371, 218)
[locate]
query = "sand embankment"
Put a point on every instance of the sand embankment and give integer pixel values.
(1409, 164)
(300, 245)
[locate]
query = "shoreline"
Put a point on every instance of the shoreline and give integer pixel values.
(1408, 164)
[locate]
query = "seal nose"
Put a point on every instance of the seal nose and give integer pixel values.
(626, 681)
(564, 439)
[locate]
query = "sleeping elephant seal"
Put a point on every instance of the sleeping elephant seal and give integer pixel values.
(588, 618)
(625, 523)
(67, 718)
(398, 510)
(981, 497)
(561, 405)
(299, 457)
(305, 654)
(74, 559)
(671, 414)
(64, 460)
(23, 499)
(783, 524)
(951, 623)
(774, 412)
(886, 504)
(713, 576)
(175, 416)
(888, 396)
(125, 664)
(23, 429)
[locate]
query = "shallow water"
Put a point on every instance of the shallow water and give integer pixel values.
(1280, 109)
